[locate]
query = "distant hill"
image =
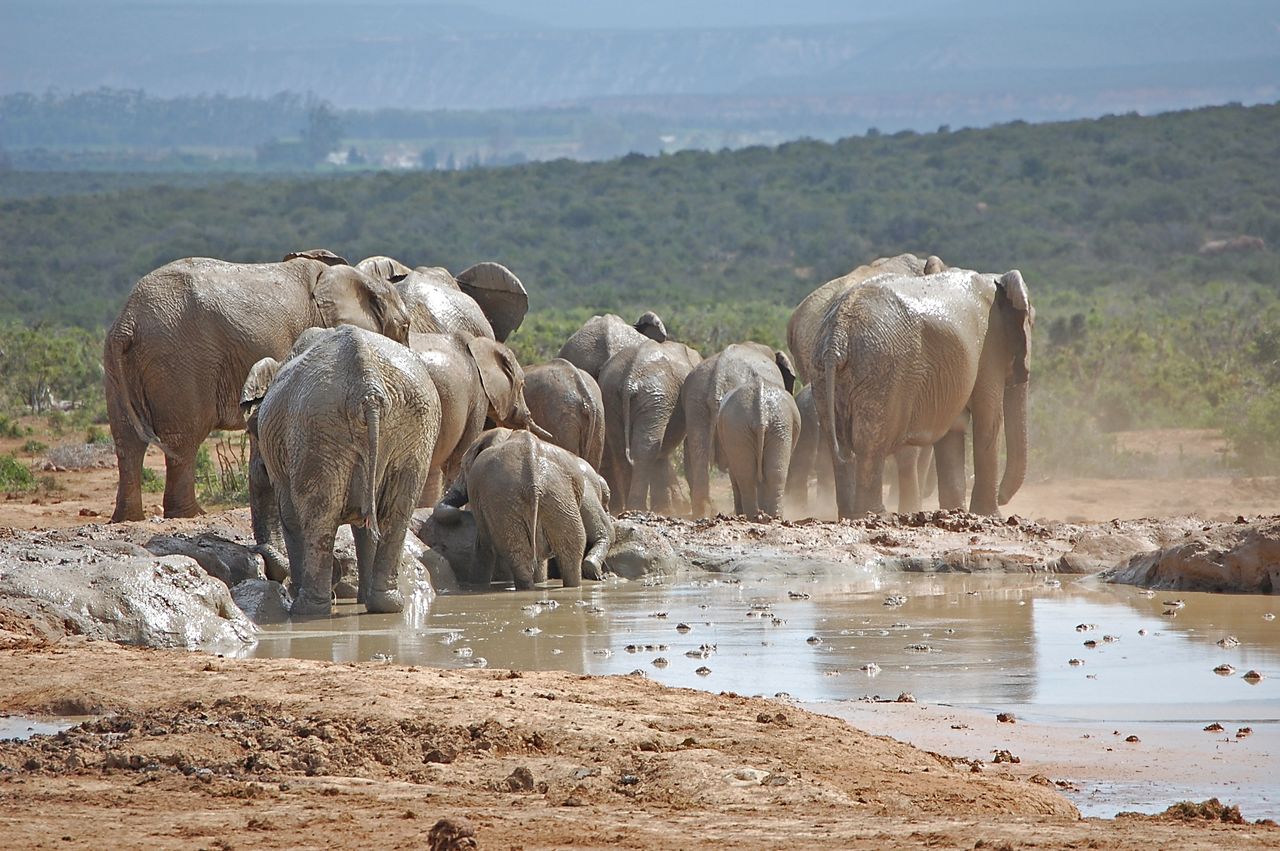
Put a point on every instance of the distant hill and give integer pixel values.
(963, 64)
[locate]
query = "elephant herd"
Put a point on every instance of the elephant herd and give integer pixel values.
(371, 389)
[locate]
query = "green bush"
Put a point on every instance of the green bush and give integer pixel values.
(34, 447)
(10, 427)
(15, 477)
(152, 482)
(96, 435)
(222, 478)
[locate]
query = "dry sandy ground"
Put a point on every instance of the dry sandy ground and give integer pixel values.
(193, 751)
(204, 752)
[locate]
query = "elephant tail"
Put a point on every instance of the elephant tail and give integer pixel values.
(126, 386)
(626, 428)
(594, 426)
(372, 405)
(829, 413)
(762, 428)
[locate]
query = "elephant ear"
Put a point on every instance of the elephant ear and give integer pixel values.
(324, 255)
(1014, 291)
(934, 265)
(261, 374)
(383, 267)
(501, 296)
(650, 324)
(500, 375)
(787, 369)
(346, 296)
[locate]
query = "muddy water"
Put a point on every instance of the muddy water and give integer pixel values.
(20, 728)
(975, 642)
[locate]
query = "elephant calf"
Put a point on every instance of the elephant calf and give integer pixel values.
(754, 430)
(343, 432)
(561, 394)
(531, 500)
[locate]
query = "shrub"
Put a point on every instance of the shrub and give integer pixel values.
(15, 477)
(152, 482)
(34, 447)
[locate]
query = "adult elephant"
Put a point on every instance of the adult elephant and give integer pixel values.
(531, 500)
(906, 361)
(569, 401)
(179, 352)
(485, 300)
(643, 421)
(476, 378)
(700, 397)
(601, 337)
(804, 330)
(344, 430)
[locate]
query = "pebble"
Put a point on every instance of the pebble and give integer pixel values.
(893, 601)
(919, 648)
(1269, 616)
(464, 652)
(603, 652)
(871, 668)
(683, 627)
(531, 630)
(797, 595)
(1228, 642)
(703, 671)
(1091, 644)
(1175, 604)
(658, 615)
(1253, 677)
(660, 662)
(1075, 662)
(1110, 639)
(813, 639)
(906, 697)
(1224, 670)
(477, 662)
(1006, 718)
(1215, 727)
(1142, 632)
(1243, 732)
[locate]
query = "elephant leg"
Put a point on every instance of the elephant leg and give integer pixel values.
(432, 490)
(697, 461)
(949, 458)
(599, 532)
(927, 473)
(366, 552)
(844, 478)
(180, 483)
(737, 495)
(383, 595)
(264, 513)
(642, 474)
(907, 459)
(567, 539)
(313, 581)
(131, 450)
(799, 471)
(776, 454)
(486, 557)
(664, 487)
(824, 478)
(869, 487)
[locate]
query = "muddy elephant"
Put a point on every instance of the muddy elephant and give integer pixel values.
(485, 300)
(644, 422)
(755, 428)
(569, 401)
(906, 361)
(804, 330)
(476, 378)
(178, 354)
(700, 397)
(601, 337)
(531, 500)
(344, 430)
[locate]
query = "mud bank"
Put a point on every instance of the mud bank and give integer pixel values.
(289, 753)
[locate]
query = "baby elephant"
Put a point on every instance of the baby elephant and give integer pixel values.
(342, 432)
(755, 428)
(531, 500)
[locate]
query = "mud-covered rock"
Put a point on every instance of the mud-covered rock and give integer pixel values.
(262, 600)
(413, 578)
(165, 601)
(222, 558)
(1237, 558)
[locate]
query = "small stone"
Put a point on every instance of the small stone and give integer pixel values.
(813, 639)
(1132, 739)
(906, 697)
(1228, 642)
(1006, 718)
(1253, 677)
(1224, 670)
(871, 669)
(683, 627)
(660, 662)
(1005, 756)
(703, 671)
(1215, 727)
(1091, 644)
(1075, 662)
(1142, 632)
(1244, 732)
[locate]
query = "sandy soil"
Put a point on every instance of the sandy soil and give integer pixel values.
(190, 750)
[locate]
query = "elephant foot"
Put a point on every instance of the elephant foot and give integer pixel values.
(308, 604)
(384, 603)
(592, 569)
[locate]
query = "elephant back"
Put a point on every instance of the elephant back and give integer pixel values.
(436, 306)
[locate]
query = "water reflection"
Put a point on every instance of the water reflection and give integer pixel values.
(967, 639)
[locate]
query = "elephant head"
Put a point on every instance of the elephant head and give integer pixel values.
(261, 374)
(386, 268)
(448, 509)
(503, 382)
(1018, 317)
(344, 295)
(650, 324)
(324, 255)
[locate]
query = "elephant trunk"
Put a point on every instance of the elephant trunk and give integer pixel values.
(539, 431)
(626, 429)
(1015, 437)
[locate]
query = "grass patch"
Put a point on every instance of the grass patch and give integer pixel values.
(222, 476)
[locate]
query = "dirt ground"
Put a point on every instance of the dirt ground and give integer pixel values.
(189, 750)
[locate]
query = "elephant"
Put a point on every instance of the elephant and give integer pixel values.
(644, 421)
(530, 500)
(601, 337)
(803, 333)
(561, 394)
(476, 377)
(486, 300)
(700, 398)
(908, 361)
(755, 430)
(178, 354)
(344, 430)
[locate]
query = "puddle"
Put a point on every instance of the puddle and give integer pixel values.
(973, 641)
(18, 728)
